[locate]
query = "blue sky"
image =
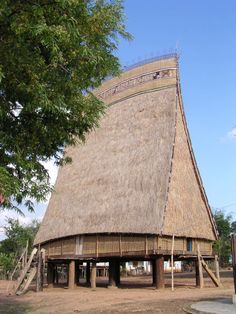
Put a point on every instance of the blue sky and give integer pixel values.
(204, 34)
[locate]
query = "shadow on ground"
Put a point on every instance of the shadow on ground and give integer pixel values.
(13, 306)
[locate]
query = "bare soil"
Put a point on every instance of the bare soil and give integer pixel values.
(135, 295)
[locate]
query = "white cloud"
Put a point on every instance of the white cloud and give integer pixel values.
(24, 220)
(52, 169)
(232, 133)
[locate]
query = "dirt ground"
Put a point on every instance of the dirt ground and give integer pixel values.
(135, 295)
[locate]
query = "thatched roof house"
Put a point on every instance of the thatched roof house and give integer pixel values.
(136, 174)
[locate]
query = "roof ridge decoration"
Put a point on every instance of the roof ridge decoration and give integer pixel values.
(150, 60)
(168, 72)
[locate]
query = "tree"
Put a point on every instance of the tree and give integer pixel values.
(233, 227)
(52, 54)
(17, 235)
(222, 246)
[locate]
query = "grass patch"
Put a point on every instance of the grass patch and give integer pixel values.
(14, 309)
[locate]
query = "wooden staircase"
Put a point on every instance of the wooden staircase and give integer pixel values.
(202, 264)
(27, 274)
(29, 269)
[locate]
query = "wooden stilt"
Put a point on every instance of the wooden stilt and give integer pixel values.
(217, 267)
(233, 250)
(67, 275)
(154, 273)
(117, 272)
(172, 263)
(216, 282)
(56, 275)
(26, 253)
(88, 273)
(50, 270)
(159, 261)
(201, 281)
(93, 275)
(42, 266)
(71, 275)
(197, 274)
(77, 273)
(112, 274)
(39, 284)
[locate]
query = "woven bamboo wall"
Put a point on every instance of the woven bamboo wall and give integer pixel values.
(108, 244)
(54, 248)
(133, 244)
(89, 245)
(123, 245)
(68, 246)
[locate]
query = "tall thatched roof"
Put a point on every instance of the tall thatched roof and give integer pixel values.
(136, 173)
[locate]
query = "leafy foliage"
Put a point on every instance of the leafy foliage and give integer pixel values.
(6, 264)
(233, 227)
(12, 247)
(225, 227)
(52, 54)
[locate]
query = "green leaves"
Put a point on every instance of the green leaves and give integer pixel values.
(12, 247)
(222, 246)
(52, 53)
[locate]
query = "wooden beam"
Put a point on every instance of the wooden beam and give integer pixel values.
(97, 245)
(88, 273)
(26, 269)
(172, 263)
(56, 274)
(71, 275)
(211, 274)
(117, 271)
(159, 261)
(233, 250)
(26, 252)
(112, 274)
(201, 280)
(153, 272)
(234, 274)
(50, 270)
(93, 275)
(217, 268)
(43, 266)
(32, 273)
(146, 245)
(77, 272)
(197, 274)
(39, 284)
(120, 245)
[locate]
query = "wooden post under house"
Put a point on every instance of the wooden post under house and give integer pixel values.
(159, 262)
(50, 274)
(88, 273)
(112, 273)
(71, 274)
(93, 275)
(153, 272)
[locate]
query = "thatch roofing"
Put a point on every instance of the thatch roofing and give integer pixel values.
(136, 173)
